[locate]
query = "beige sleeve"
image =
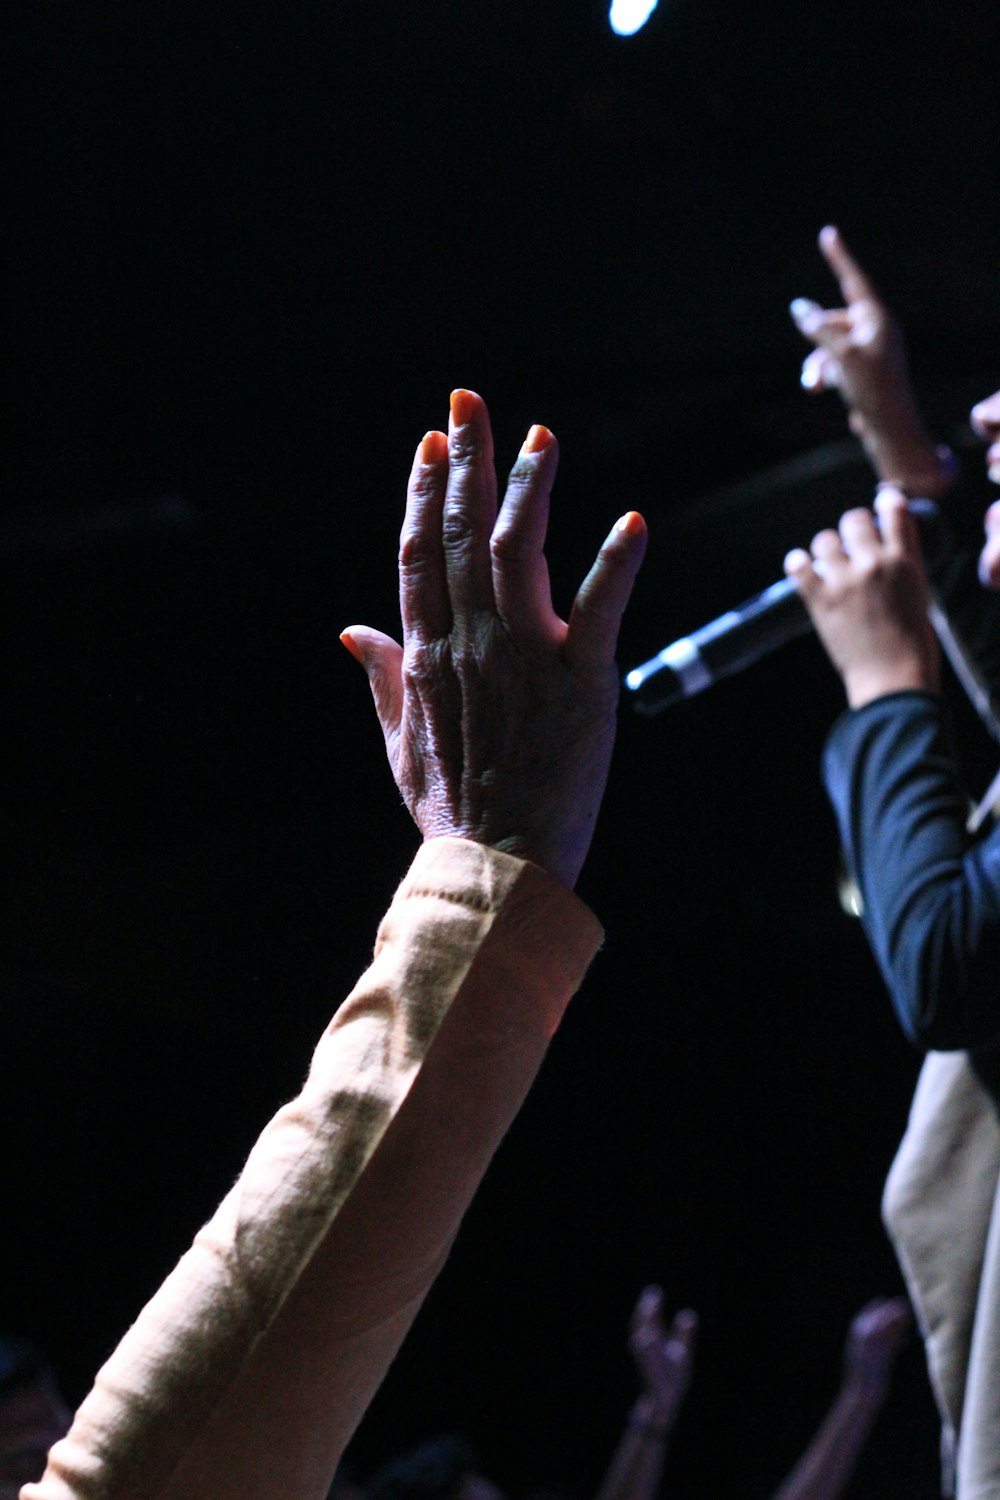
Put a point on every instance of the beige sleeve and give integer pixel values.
(248, 1370)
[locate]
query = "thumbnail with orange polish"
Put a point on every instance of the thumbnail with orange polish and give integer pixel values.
(346, 639)
(632, 523)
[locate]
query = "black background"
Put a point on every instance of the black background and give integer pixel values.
(250, 248)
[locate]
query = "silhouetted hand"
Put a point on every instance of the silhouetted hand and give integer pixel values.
(664, 1357)
(498, 716)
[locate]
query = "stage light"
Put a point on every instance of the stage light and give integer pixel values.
(629, 16)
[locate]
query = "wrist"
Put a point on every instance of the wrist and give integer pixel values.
(901, 451)
(651, 1420)
(877, 680)
(864, 1392)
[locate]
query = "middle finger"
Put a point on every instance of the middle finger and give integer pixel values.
(860, 536)
(470, 505)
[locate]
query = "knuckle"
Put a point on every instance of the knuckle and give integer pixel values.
(457, 543)
(507, 547)
(464, 448)
(422, 662)
(425, 482)
(458, 528)
(415, 551)
(593, 606)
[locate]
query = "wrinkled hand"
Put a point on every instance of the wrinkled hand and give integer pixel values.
(859, 350)
(874, 1340)
(867, 595)
(498, 716)
(664, 1357)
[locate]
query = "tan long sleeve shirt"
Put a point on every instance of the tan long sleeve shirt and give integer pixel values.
(247, 1372)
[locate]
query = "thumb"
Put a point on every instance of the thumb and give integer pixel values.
(382, 659)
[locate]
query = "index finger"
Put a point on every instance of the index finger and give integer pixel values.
(854, 283)
(594, 620)
(423, 593)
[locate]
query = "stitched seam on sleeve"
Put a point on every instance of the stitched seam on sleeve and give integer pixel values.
(477, 903)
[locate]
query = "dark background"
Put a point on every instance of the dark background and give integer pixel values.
(250, 248)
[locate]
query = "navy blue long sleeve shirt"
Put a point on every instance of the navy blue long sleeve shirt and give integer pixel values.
(930, 893)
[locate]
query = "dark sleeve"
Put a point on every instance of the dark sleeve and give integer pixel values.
(931, 895)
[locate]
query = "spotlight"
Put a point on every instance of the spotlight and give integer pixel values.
(629, 16)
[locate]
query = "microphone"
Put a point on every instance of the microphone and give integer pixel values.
(753, 629)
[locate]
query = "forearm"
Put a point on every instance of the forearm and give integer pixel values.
(247, 1372)
(636, 1466)
(828, 1463)
(899, 447)
(931, 901)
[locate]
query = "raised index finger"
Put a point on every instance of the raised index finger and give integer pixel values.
(854, 283)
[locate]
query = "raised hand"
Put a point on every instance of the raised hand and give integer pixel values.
(498, 716)
(859, 347)
(664, 1357)
(859, 350)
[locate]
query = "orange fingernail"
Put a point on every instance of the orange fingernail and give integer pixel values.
(464, 405)
(348, 640)
(632, 524)
(433, 448)
(537, 440)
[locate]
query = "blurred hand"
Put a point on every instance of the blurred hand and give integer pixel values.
(859, 350)
(989, 558)
(859, 347)
(664, 1357)
(867, 595)
(498, 716)
(874, 1340)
